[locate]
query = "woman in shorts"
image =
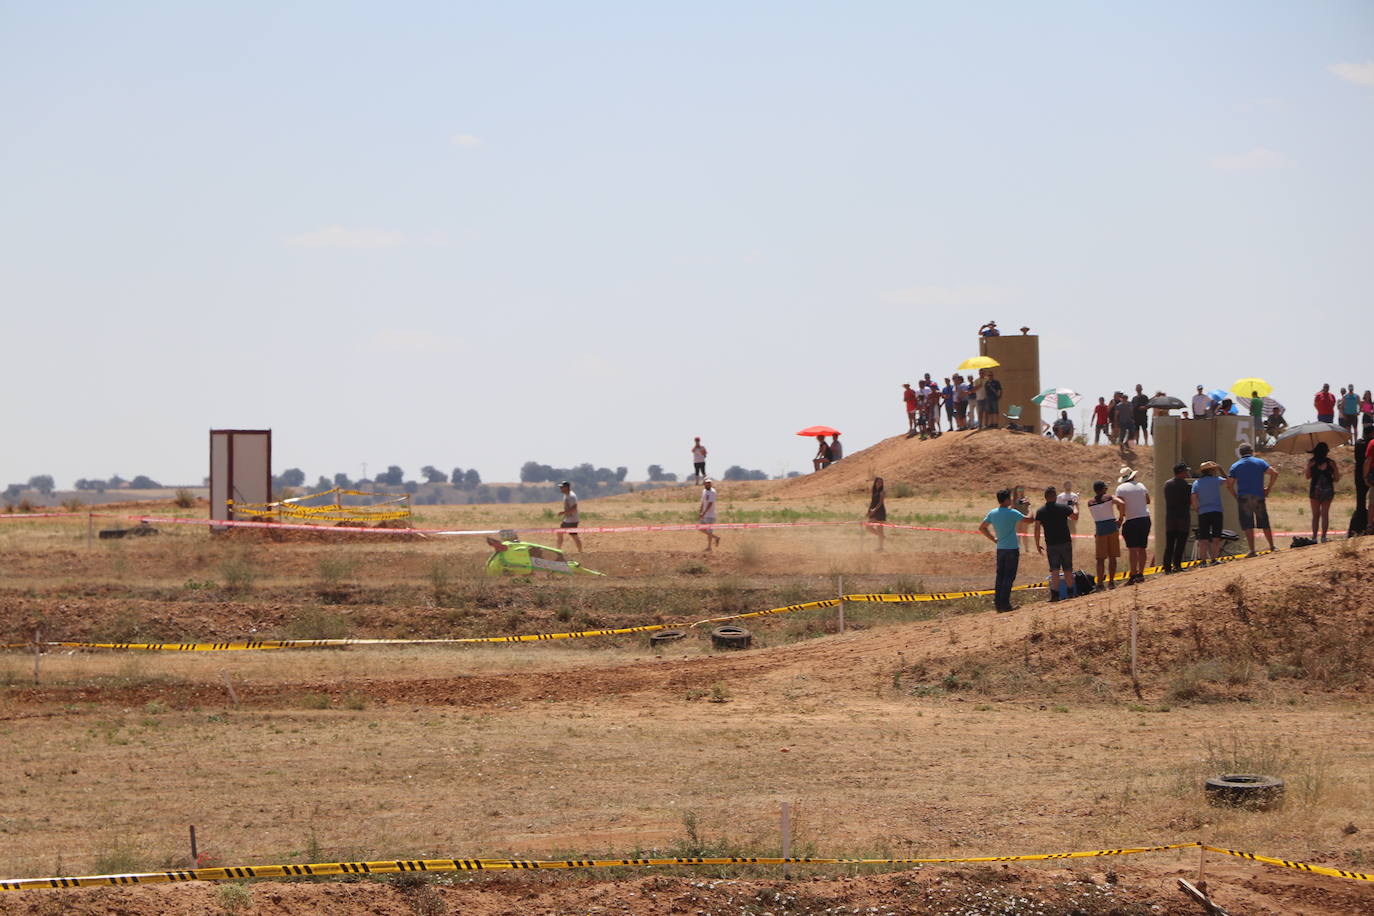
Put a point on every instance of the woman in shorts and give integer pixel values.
(1207, 503)
(877, 512)
(1322, 473)
(1106, 513)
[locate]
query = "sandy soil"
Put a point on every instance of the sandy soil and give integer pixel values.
(930, 730)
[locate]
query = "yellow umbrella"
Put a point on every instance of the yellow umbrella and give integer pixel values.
(1243, 387)
(979, 362)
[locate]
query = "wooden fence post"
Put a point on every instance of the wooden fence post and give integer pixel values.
(839, 590)
(786, 827)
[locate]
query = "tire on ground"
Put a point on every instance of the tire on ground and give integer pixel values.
(663, 637)
(731, 637)
(1244, 790)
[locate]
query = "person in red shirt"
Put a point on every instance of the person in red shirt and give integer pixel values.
(909, 397)
(1325, 402)
(1101, 419)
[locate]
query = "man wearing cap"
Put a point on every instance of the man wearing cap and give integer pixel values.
(571, 518)
(1250, 479)
(1125, 421)
(706, 514)
(1178, 517)
(1004, 520)
(1135, 529)
(1202, 404)
(1207, 502)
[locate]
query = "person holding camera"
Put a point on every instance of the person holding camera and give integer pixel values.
(1003, 520)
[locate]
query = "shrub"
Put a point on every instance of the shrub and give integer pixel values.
(184, 499)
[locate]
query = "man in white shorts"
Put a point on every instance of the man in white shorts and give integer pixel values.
(706, 515)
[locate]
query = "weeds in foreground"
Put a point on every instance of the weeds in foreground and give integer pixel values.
(419, 893)
(239, 572)
(335, 571)
(117, 858)
(234, 898)
(318, 623)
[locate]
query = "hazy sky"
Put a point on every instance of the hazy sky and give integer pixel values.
(480, 234)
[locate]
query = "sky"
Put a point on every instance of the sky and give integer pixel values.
(477, 235)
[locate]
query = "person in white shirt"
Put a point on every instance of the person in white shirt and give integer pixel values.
(698, 460)
(1067, 497)
(706, 515)
(571, 517)
(1135, 529)
(1202, 405)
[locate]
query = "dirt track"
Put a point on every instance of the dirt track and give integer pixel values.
(902, 736)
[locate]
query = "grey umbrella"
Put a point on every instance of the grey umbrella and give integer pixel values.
(1303, 437)
(1166, 402)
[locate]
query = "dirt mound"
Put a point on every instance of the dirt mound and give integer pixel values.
(980, 461)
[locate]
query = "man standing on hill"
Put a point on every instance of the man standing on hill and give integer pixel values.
(1325, 402)
(1102, 417)
(909, 398)
(1140, 415)
(706, 513)
(947, 395)
(1350, 412)
(571, 517)
(961, 395)
(992, 397)
(1135, 529)
(698, 460)
(1178, 517)
(1125, 421)
(1250, 479)
(1058, 546)
(1004, 520)
(836, 450)
(1202, 405)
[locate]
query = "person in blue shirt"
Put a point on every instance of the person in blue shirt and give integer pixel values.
(1250, 479)
(1003, 520)
(1207, 504)
(947, 393)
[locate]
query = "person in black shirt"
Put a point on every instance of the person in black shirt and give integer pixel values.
(1178, 517)
(1359, 520)
(1140, 415)
(1058, 546)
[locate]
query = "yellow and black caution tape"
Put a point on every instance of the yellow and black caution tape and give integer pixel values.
(263, 644)
(252, 644)
(294, 508)
(1296, 866)
(398, 866)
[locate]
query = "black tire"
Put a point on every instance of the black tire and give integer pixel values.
(1244, 790)
(731, 637)
(663, 637)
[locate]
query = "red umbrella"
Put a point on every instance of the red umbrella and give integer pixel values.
(814, 431)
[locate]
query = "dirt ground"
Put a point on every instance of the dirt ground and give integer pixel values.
(924, 730)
